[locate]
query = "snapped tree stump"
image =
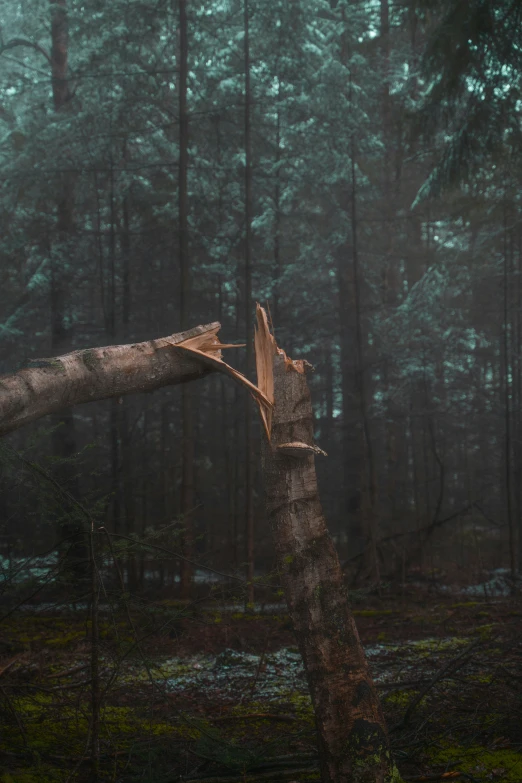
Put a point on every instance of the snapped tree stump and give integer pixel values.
(353, 740)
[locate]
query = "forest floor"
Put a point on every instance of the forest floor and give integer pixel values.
(212, 693)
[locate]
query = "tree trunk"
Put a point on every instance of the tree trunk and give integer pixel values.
(507, 379)
(50, 385)
(249, 456)
(64, 432)
(353, 741)
(369, 479)
(187, 457)
(128, 478)
(277, 285)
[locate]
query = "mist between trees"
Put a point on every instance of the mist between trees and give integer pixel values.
(167, 165)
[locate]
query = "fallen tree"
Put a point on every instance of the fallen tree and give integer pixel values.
(50, 385)
(353, 741)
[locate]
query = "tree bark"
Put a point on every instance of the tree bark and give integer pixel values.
(64, 438)
(368, 473)
(249, 455)
(50, 385)
(353, 741)
(187, 458)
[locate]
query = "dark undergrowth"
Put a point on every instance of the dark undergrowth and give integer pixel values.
(207, 691)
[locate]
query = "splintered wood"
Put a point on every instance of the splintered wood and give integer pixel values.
(207, 342)
(298, 449)
(265, 348)
(207, 348)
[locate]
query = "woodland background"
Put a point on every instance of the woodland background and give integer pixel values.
(353, 164)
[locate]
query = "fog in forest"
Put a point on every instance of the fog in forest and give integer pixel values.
(353, 167)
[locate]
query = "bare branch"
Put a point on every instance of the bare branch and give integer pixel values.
(15, 42)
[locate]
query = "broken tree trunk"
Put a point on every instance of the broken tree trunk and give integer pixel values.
(50, 385)
(353, 741)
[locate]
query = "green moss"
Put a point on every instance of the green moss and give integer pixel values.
(365, 769)
(90, 359)
(164, 670)
(46, 631)
(276, 618)
(427, 646)
(483, 764)
(174, 603)
(302, 704)
(484, 679)
(484, 630)
(369, 754)
(245, 616)
(64, 730)
(66, 639)
(40, 773)
(401, 698)
(372, 612)
(394, 776)
(47, 364)
(57, 365)
(465, 605)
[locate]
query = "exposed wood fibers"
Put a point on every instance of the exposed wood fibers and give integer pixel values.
(265, 349)
(207, 348)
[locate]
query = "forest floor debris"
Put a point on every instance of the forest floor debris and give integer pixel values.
(214, 694)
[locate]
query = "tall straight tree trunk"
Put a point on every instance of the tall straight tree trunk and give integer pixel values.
(234, 506)
(350, 442)
(518, 401)
(187, 459)
(128, 484)
(249, 456)
(229, 418)
(64, 436)
(112, 332)
(353, 742)
(61, 332)
(369, 482)
(389, 271)
(507, 390)
(278, 267)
